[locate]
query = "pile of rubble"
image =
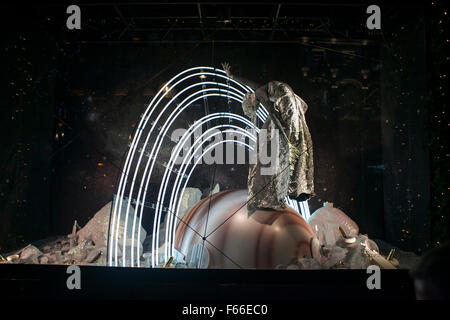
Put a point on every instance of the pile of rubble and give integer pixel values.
(64, 250)
(84, 246)
(358, 254)
(343, 247)
(87, 245)
(341, 244)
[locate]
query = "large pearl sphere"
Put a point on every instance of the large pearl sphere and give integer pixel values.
(234, 238)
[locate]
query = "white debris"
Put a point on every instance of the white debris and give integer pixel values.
(13, 257)
(30, 254)
(326, 221)
(308, 264)
(331, 255)
(191, 196)
(97, 229)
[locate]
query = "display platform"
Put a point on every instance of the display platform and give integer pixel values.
(49, 282)
(224, 153)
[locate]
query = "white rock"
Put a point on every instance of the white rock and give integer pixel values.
(198, 256)
(97, 229)
(148, 259)
(44, 260)
(216, 189)
(331, 255)
(209, 192)
(93, 255)
(308, 264)
(177, 256)
(30, 254)
(292, 267)
(190, 197)
(325, 223)
(12, 258)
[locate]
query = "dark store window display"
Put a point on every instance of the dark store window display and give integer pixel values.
(94, 171)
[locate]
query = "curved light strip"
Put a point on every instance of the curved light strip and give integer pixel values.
(157, 145)
(176, 188)
(175, 153)
(211, 117)
(192, 170)
(157, 219)
(184, 165)
(139, 132)
(261, 112)
(168, 236)
(158, 138)
(130, 154)
(152, 158)
(178, 147)
(120, 193)
(190, 130)
(193, 128)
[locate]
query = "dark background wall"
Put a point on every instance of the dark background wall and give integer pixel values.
(76, 97)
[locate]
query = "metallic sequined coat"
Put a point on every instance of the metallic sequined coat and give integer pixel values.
(293, 172)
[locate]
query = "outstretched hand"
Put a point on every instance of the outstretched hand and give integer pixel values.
(227, 68)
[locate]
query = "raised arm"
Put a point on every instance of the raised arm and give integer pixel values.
(227, 68)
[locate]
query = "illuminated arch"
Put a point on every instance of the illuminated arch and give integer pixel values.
(191, 85)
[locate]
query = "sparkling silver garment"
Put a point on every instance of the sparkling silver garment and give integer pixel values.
(294, 167)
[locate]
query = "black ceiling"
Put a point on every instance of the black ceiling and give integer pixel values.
(222, 22)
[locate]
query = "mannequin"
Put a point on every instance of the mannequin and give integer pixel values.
(293, 174)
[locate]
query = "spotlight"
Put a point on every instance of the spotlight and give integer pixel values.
(334, 73)
(365, 73)
(305, 71)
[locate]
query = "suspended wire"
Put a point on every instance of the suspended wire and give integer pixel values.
(204, 239)
(265, 186)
